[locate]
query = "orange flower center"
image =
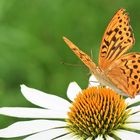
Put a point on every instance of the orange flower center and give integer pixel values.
(97, 111)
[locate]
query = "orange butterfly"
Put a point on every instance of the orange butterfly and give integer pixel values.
(115, 69)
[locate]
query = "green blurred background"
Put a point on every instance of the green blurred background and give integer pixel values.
(32, 50)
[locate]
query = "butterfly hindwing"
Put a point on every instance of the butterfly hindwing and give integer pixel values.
(125, 73)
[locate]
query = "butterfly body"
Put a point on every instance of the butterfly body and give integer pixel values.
(116, 69)
(101, 76)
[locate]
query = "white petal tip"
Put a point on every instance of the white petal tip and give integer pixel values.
(73, 90)
(93, 81)
(74, 85)
(23, 86)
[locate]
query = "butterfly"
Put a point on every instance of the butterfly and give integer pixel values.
(116, 68)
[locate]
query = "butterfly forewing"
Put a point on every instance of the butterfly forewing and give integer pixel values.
(82, 56)
(117, 39)
(125, 73)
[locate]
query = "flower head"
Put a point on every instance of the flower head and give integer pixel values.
(95, 113)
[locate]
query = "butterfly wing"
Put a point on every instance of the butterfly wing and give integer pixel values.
(82, 56)
(125, 74)
(117, 39)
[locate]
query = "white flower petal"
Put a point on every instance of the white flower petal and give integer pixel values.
(48, 135)
(99, 138)
(68, 137)
(130, 101)
(24, 112)
(134, 109)
(127, 135)
(44, 100)
(109, 138)
(134, 118)
(73, 90)
(29, 127)
(93, 81)
(132, 125)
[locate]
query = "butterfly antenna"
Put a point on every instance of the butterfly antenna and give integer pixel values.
(69, 64)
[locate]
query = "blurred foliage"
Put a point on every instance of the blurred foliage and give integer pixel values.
(32, 50)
